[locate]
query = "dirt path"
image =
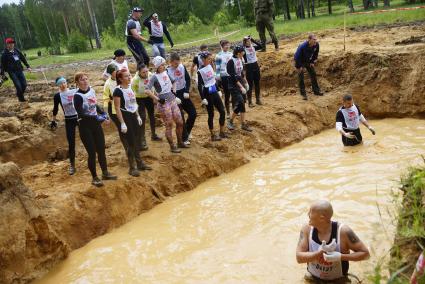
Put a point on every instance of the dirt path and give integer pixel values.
(46, 213)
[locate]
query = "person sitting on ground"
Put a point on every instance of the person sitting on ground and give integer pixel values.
(145, 103)
(198, 64)
(127, 113)
(328, 246)
(90, 119)
(167, 103)
(305, 59)
(348, 120)
(211, 96)
(238, 88)
(157, 29)
(222, 76)
(252, 69)
(65, 98)
(178, 73)
(119, 60)
(11, 62)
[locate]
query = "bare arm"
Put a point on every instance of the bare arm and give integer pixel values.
(360, 251)
(303, 255)
(137, 36)
(117, 103)
(152, 95)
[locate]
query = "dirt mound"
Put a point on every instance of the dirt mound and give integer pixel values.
(28, 244)
(385, 79)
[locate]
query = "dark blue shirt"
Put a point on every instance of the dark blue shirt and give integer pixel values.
(306, 54)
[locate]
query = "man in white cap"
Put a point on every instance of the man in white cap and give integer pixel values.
(157, 29)
(327, 246)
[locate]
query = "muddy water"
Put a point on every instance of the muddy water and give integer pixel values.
(243, 227)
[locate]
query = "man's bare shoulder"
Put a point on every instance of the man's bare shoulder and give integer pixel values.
(348, 233)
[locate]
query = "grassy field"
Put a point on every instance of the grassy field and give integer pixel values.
(320, 22)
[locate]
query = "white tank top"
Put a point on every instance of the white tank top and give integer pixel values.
(165, 82)
(224, 57)
(207, 74)
(322, 269)
(89, 102)
(178, 76)
(67, 100)
(351, 117)
(157, 29)
(238, 66)
(251, 54)
(129, 99)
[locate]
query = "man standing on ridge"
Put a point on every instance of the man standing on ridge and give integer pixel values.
(11, 62)
(264, 11)
(157, 29)
(133, 33)
(305, 58)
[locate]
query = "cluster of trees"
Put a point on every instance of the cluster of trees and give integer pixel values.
(56, 23)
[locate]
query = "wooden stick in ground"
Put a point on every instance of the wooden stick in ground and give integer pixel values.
(344, 29)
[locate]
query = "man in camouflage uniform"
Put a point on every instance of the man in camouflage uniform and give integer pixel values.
(264, 11)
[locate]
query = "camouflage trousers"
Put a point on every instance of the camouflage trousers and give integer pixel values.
(263, 22)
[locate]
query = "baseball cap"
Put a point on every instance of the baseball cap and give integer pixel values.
(10, 40)
(111, 68)
(138, 9)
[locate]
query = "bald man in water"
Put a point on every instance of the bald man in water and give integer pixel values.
(327, 246)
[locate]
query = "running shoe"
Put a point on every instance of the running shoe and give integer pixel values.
(224, 135)
(72, 170)
(155, 137)
(215, 137)
(134, 172)
(246, 127)
(108, 176)
(230, 125)
(174, 149)
(97, 182)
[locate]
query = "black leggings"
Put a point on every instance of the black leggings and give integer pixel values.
(146, 104)
(117, 123)
(70, 125)
(132, 137)
(253, 78)
(226, 91)
(138, 51)
(214, 100)
(190, 109)
(91, 134)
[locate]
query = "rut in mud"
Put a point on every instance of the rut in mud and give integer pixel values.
(57, 213)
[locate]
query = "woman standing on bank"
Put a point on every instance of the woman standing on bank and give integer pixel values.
(252, 69)
(127, 113)
(90, 117)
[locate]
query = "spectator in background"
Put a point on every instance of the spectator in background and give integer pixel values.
(11, 62)
(133, 32)
(157, 29)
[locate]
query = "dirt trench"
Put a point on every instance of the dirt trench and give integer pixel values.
(46, 214)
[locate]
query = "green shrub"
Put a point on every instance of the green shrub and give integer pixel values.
(110, 41)
(76, 43)
(221, 18)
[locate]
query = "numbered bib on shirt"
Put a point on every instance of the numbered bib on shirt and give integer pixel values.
(208, 76)
(130, 100)
(251, 54)
(67, 100)
(165, 82)
(178, 76)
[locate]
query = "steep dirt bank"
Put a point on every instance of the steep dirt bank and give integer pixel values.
(385, 78)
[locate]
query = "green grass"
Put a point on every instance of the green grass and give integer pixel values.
(318, 23)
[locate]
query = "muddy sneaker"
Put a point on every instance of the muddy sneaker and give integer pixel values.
(72, 170)
(304, 97)
(187, 142)
(259, 102)
(156, 138)
(134, 172)
(224, 135)
(143, 167)
(215, 137)
(318, 94)
(108, 176)
(144, 147)
(97, 182)
(251, 105)
(230, 125)
(182, 146)
(174, 149)
(190, 137)
(246, 127)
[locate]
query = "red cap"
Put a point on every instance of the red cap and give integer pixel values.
(10, 40)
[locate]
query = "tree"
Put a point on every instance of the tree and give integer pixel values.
(330, 7)
(94, 25)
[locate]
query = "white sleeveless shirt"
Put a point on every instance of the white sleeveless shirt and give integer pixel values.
(322, 269)
(130, 102)
(207, 74)
(157, 29)
(351, 117)
(165, 82)
(67, 100)
(178, 76)
(89, 102)
(251, 54)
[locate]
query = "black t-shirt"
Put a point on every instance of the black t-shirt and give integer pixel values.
(340, 116)
(118, 93)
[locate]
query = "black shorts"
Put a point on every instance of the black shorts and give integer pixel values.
(238, 101)
(355, 141)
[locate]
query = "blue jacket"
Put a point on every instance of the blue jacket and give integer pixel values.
(306, 54)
